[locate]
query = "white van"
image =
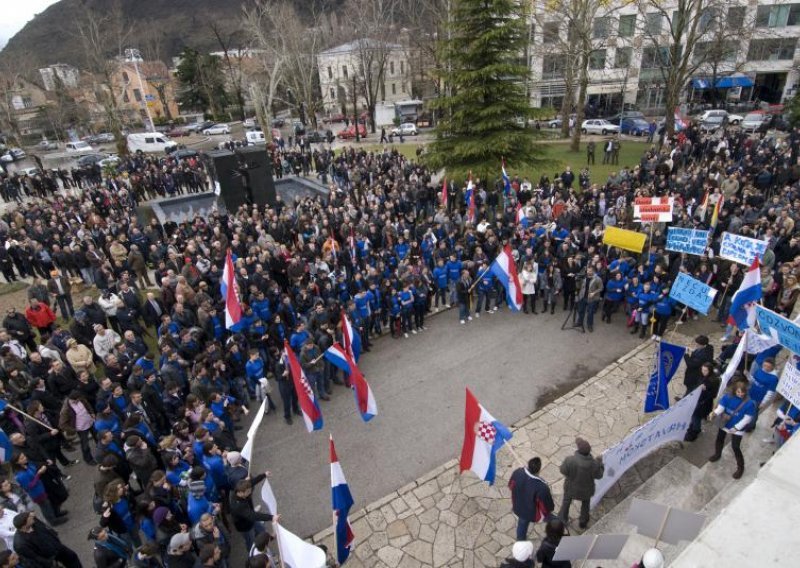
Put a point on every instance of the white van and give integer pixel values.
(150, 143)
(79, 146)
(256, 137)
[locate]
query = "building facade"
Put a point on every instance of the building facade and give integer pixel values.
(151, 88)
(748, 54)
(67, 75)
(342, 66)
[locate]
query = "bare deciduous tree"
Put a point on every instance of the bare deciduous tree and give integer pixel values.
(231, 44)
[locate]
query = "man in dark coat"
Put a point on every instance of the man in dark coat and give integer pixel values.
(39, 546)
(702, 353)
(579, 471)
(531, 499)
(245, 518)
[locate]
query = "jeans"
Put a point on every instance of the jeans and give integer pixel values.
(318, 382)
(65, 305)
(522, 529)
(250, 536)
(483, 299)
(736, 446)
(86, 450)
(724, 307)
(586, 309)
(441, 294)
(463, 311)
(564, 512)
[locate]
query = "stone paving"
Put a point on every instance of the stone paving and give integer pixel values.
(447, 519)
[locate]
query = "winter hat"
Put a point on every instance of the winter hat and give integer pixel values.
(159, 515)
(583, 446)
(177, 541)
(522, 550)
(234, 458)
(197, 487)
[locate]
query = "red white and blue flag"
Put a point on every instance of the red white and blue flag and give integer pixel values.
(230, 293)
(469, 195)
(352, 244)
(505, 269)
(342, 501)
(743, 304)
(483, 436)
(351, 339)
(506, 179)
(312, 415)
(365, 400)
(444, 192)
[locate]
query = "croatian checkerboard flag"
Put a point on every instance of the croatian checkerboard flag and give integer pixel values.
(309, 406)
(351, 339)
(505, 269)
(365, 400)
(342, 501)
(469, 195)
(506, 179)
(743, 310)
(483, 436)
(230, 293)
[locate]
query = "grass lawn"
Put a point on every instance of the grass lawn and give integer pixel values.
(558, 155)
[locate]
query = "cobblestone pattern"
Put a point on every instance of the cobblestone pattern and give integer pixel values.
(444, 519)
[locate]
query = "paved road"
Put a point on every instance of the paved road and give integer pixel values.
(508, 360)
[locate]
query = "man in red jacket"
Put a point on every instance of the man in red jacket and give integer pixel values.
(40, 316)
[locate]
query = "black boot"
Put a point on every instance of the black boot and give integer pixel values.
(553, 308)
(635, 329)
(642, 332)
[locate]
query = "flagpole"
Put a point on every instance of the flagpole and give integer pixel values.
(26, 415)
(650, 242)
(478, 278)
(515, 454)
(677, 323)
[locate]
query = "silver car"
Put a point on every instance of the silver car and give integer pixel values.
(599, 126)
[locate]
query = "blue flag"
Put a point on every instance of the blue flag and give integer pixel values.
(6, 449)
(668, 360)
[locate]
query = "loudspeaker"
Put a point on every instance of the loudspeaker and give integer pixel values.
(244, 176)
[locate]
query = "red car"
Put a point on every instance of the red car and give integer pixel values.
(338, 117)
(177, 131)
(350, 132)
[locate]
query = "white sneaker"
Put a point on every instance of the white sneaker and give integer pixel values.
(477, 315)
(495, 309)
(469, 318)
(463, 322)
(414, 331)
(405, 335)
(436, 309)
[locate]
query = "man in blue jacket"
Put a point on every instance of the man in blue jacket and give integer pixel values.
(440, 279)
(531, 499)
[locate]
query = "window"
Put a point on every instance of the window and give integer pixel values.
(333, 94)
(149, 140)
(125, 97)
(402, 88)
(125, 77)
(655, 57)
(597, 59)
(550, 32)
(778, 16)
(715, 51)
(402, 67)
(137, 95)
(655, 21)
(601, 27)
(623, 57)
(330, 72)
(707, 19)
(627, 25)
(772, 49)
(553, 66)
(394, 89)
(344, 71)
(736, 16)
(391, 68)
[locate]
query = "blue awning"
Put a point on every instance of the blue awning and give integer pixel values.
(701, 84)
(734, 81)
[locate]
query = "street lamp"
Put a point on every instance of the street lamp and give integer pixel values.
(134, 56)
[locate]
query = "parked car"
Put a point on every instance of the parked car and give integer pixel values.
(217, 129)
(350, 132)
(338, 117)
(13, 154)
(278, 122)
(713, 117)
(255, 137)
(598, 126)
(318, 136)
(90, 160)
(104, 137)
(30, 172)
(150, 143)
(406, 129)
(177, 132)
(45, 145)
(79, 147)
(184, 153)
(109, 160)
(752, 121)
(250, 122)
(634, 126)
(617, 118)
(713, 122)
(199, 126)
(299, 128)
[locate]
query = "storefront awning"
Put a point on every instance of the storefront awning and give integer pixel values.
(734, 81)
(701, 84)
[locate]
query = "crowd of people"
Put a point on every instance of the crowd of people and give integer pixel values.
(144, 378)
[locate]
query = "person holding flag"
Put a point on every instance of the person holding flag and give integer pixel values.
(469, 197)
(365, 400)
(483, 436)
(230, 293)
(742, 312)
(309, 407)
(505, 270)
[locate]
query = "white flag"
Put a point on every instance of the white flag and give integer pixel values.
(733, 364)
(296, 553)
(268, 497)
(247, 450)
(756, 343)
(257, 419)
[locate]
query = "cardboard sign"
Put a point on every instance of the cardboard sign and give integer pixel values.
(690, 241)
(693, 293)
(653, 209)
(789, 385)
(786, 331)
(741, 249)
(624, 239)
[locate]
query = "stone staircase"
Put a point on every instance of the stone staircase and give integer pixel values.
(683, 485)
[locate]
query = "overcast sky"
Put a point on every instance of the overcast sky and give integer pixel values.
(17, 13)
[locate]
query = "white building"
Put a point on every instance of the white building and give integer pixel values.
(338, 65)
(760, 61)
(67, 74)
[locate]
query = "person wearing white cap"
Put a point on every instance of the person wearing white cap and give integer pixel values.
(521, 555)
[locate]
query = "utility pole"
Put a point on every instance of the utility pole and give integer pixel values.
(134, 55)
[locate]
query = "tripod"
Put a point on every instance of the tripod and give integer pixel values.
(571, 315)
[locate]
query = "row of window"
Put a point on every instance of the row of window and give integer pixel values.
(773, 49)
(393, 89)
(391, 69)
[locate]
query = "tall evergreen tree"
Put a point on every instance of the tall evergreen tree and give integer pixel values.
(485, 73)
